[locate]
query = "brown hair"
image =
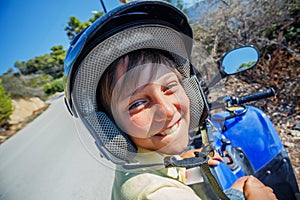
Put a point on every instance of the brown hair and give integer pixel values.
(128, 62)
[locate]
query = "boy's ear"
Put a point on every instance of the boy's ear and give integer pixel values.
(114, 144)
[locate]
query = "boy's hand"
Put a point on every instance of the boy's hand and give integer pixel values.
(254, 189)
(213, 161)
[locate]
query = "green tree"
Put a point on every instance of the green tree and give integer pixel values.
(75, 25)
(9, 71)
(51, 64)
(6, 108)
(21, 66)
(58, 55)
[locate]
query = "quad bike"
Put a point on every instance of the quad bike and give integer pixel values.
(244, 136)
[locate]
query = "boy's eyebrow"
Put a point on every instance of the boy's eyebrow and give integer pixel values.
(157, 81)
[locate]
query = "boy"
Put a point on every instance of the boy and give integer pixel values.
(129, 79)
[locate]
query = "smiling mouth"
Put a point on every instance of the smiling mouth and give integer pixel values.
(170, 130)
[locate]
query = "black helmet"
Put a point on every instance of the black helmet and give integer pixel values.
(132, 26)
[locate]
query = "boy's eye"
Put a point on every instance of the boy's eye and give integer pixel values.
(170, 87)
(136, 106)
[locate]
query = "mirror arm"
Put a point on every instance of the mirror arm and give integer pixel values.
(216, 79)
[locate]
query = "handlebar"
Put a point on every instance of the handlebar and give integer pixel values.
(230, 101)
(252, 97)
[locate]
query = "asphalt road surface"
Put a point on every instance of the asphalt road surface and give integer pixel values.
(48, 160)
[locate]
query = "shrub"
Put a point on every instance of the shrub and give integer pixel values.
(54, 86)
(17, 87)
(6, 107)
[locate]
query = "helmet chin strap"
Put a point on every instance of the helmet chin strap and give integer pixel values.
(137, 165)
(200, 160)
(172, 161)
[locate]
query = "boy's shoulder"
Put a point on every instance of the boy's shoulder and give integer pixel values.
(144, 185)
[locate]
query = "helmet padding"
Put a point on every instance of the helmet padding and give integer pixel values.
(116, 144)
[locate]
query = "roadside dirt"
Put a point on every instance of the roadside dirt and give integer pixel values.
(25, 110)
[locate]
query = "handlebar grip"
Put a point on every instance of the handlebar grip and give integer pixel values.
(256, 96)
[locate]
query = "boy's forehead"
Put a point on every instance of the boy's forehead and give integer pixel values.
(141, 76)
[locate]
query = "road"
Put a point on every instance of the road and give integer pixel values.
(48, 160)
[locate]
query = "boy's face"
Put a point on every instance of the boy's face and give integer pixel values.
(153, 109)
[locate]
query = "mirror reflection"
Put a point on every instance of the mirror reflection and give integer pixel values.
(240, 59)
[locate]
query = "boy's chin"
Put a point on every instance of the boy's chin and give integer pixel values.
(174, 150)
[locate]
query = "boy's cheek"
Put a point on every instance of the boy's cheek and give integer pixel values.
(140, 121)
(183, 99)
(137, 126)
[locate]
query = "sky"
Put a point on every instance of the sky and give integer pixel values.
(30, 28)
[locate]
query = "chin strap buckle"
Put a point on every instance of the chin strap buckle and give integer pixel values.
(200, 159)
(172, 161)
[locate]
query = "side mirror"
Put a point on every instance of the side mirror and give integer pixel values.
(240, 59)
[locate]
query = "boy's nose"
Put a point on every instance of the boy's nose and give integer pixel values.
(164, 110)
